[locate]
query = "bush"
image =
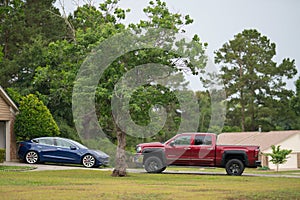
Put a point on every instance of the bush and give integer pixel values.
(263, 168)
(2, 155)
(34, 120)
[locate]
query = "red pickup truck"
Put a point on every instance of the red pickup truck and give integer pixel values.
(196, 149)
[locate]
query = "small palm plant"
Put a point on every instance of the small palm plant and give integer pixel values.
(279, 156)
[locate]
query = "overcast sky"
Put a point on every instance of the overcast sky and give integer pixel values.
(217, 21)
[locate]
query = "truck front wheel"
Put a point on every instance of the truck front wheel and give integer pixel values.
(154, 164)
(234, 167)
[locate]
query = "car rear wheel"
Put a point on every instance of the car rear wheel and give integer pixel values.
(154, 164)
(88, 161)
(31, 157)
(235, 167)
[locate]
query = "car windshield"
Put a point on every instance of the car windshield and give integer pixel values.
(79, 145)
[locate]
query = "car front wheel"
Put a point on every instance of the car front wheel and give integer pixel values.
(31, 157)
(154, 164)
(88, 161)
(234, 167)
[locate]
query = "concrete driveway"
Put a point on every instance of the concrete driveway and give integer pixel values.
(43, 167)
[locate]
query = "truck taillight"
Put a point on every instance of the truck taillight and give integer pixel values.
(256, 152)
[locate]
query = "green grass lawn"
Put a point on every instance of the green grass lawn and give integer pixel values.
(96, 184)
(247, 170)
(16, 168)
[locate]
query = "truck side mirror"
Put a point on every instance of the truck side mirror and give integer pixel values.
(172, 144)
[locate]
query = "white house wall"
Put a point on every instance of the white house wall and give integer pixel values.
(292, 143)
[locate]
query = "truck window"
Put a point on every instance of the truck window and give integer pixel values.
(183, 140)
(202, 140)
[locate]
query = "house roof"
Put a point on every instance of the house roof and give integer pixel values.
(262, 139)
(7, 99)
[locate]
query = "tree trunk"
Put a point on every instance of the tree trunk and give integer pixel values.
(242, 98)
(242, 112)
(121, 165)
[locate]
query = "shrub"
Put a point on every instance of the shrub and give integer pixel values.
(2, 155)
(34, 119)
(263, 168)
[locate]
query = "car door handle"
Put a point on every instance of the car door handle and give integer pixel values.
(187, 148)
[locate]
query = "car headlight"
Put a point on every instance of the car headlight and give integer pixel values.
(138, 149)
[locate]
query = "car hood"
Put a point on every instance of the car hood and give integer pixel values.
(99, 153)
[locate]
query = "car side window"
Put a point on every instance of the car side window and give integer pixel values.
(203, 140)
(63, 143)
(46, 141)
(182, 140)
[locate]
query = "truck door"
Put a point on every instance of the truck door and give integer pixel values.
(203, 151)
(178, 151)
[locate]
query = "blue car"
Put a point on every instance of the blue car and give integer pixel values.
(60, 150)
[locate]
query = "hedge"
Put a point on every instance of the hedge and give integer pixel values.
(2, 155)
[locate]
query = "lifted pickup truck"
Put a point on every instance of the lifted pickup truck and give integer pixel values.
(196, 149)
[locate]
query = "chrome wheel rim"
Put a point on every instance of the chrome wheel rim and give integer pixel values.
(234, 168)
(153, 166)
(32, 157)
(88, 161)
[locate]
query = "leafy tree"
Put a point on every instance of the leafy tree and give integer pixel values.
(34, 119)
(42, 18)
(294, 107)
(296, 99)
(1, 54)
(46, 65)
(23, 25)
(53, 67)
(11, 37)
(128, 61)
(12, 26)
(279, 156)
(254, 83)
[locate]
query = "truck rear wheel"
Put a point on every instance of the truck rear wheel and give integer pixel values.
(234, 167)
(154, 164)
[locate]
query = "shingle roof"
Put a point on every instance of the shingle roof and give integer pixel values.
(262, 139)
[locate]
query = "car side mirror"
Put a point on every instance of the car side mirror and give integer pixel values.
(73, 148)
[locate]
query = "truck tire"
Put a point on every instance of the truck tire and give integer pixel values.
(234, 167)
(153, 164)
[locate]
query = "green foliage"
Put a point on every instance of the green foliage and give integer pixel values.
(278, 156)
(263, 168)
(24, 24)
(14, 95)
(296, 99)
(204, 101)
(1, 54)
(231, 129)
(2, 155)
(254, 82)
(34, 119)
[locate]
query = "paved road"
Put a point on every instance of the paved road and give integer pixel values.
(42, 167)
